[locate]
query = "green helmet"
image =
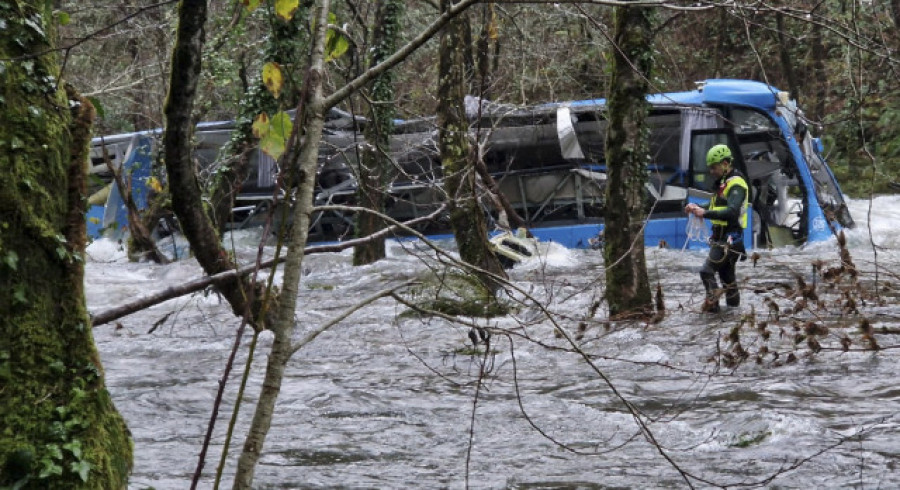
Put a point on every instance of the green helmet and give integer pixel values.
(716, 154)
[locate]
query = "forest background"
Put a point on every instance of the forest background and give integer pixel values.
(838, 58)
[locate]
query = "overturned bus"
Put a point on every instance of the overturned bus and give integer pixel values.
(548, 161)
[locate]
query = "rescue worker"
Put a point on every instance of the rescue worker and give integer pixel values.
(727, 211)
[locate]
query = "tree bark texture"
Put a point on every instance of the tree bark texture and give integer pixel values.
(375, 165)
(284, 324)
(895, 10)
(627, 286)
(457, 159)
(183, 185)
(58, 425)
(784, 53)
(818, 55)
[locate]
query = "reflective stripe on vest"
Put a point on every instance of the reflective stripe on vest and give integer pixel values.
(715, 205)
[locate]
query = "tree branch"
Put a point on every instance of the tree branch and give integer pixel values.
(201, 283)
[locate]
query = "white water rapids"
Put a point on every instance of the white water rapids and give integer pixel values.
(386, 401)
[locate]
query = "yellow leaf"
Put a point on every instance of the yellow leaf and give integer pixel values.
(273, 78)
(250, 4)
(286, 8)
(261, 125)
(153, 183)
(493, 31)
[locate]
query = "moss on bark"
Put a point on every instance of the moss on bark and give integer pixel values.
(58, 425)
(627, 285)
(466, 216)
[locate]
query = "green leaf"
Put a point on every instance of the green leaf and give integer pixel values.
(250, 4)
(286, 8)
(336, 44)
(11, 259)
(274, 141)
(98, 106)
(63, 18)
(73, 447)
(55, 451)
(19, 294)
(82, 468)
(49, 468)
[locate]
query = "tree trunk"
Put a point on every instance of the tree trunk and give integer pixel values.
(183, 185)
(58, 425)
(375, 165)
(819, 80)
(488, 33)
(627, 286)
(784, 52)
(312, 113)
(895, 10)
(457, 160)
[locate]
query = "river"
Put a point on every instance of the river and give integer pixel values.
(384, 400)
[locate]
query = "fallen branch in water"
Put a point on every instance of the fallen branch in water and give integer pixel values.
(189, 287)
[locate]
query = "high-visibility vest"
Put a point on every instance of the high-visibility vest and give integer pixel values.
(720, 200)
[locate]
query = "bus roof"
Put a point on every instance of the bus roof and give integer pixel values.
(716, 91)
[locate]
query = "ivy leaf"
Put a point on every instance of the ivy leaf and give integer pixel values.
(273, 78)
(54, 451)
(73, 447)
(82, 468)
(49, 468)
(19, 295)
(286, 8)
(250, 4)
(11, 259)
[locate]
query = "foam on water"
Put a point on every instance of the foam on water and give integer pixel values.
(883, 219)
(105, 250)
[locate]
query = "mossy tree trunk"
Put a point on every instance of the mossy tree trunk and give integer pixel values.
(457, 159)
(187, 202)
(58, 425)
(487, 59)
(627, 285)
(375, 164)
